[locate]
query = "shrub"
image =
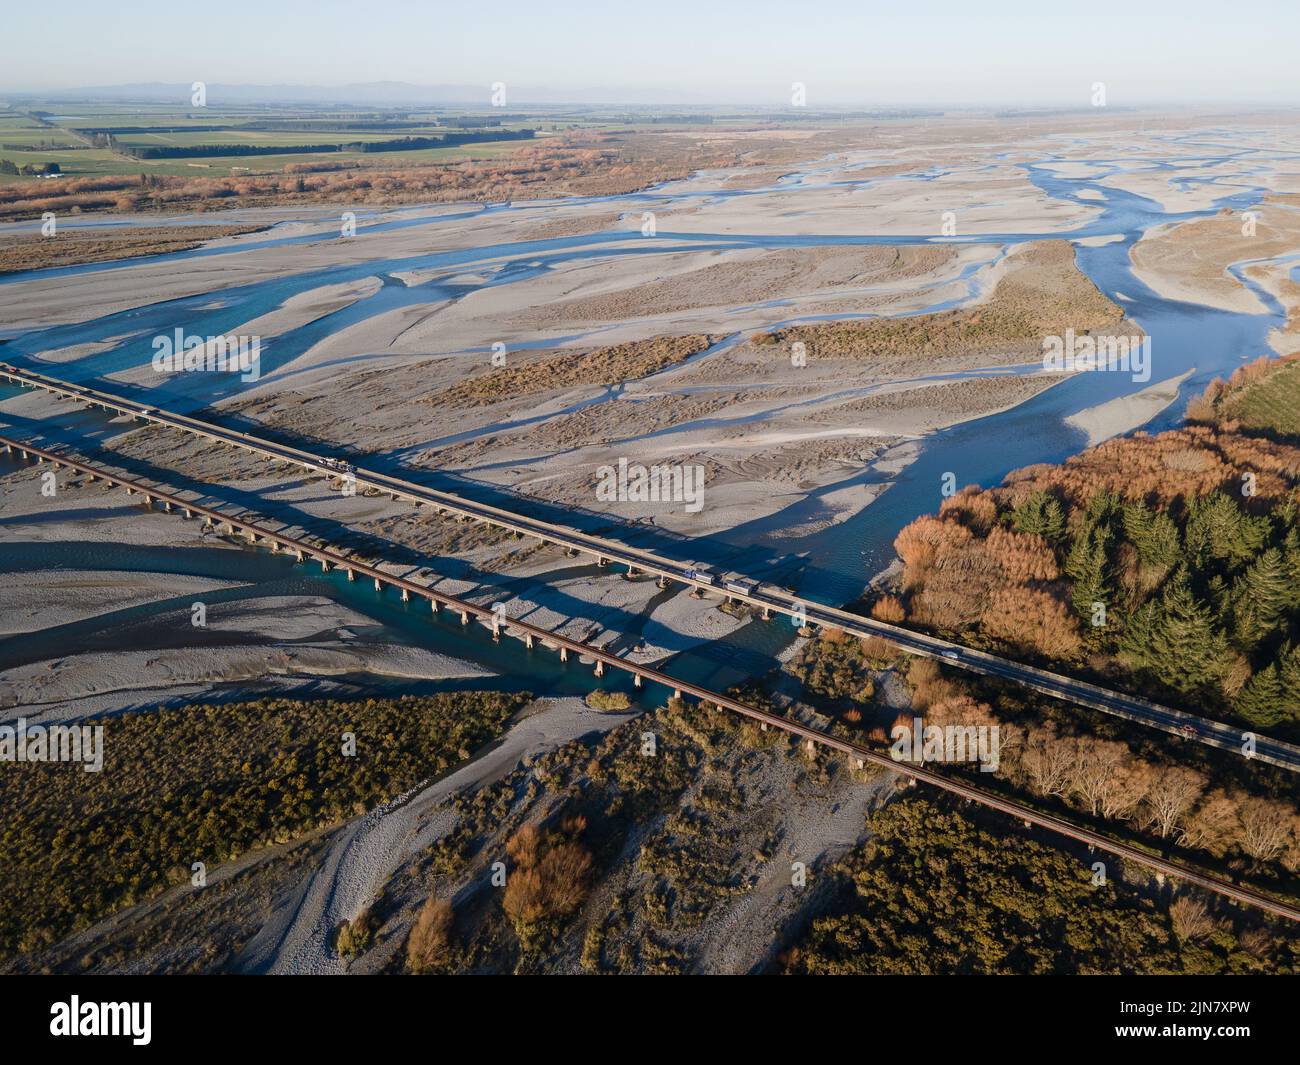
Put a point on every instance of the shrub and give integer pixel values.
(428, 948)
(354, 937)
(603, 700)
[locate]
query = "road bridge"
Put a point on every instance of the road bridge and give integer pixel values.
(767, 598)
(256, 532)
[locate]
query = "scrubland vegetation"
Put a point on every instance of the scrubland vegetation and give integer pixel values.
(69, 247)
(1042, 293)
(1262, 396)
(936, 890)
(611, 365)
(617, 859)
(207, 784)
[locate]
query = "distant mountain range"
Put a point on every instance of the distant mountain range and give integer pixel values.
(378, 93)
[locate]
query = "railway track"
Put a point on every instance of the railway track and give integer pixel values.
(256, 531)
(1185, 726)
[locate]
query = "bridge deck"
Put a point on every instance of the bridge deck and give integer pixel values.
(1134, 708)
(860, 754)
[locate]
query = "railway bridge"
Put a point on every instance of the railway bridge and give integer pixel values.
(256, 532)
(768, 599)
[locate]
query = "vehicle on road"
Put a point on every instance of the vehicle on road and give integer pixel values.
(701, 574)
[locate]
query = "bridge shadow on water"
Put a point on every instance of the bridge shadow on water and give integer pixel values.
(747, 652)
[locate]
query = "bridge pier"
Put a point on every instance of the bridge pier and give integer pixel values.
(602, 562)
(352, 574)
(600, 668)
(378, 587)
(299, 554)
(325, 565)
(406, 595)
(528, 640)
(564, 654)
(434, 605)
(464, 617)
(636, 680)
(663, 584)
(167, 506)
(697, 593)
(767, 614)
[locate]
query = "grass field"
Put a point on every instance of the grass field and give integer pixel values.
(42, 135)
(1272, 402)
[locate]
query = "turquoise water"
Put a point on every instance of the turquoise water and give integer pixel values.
(830, 565)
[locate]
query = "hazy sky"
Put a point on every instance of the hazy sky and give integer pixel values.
(844, 51)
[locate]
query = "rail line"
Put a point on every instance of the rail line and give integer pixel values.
(532, 634)
(768, 598)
